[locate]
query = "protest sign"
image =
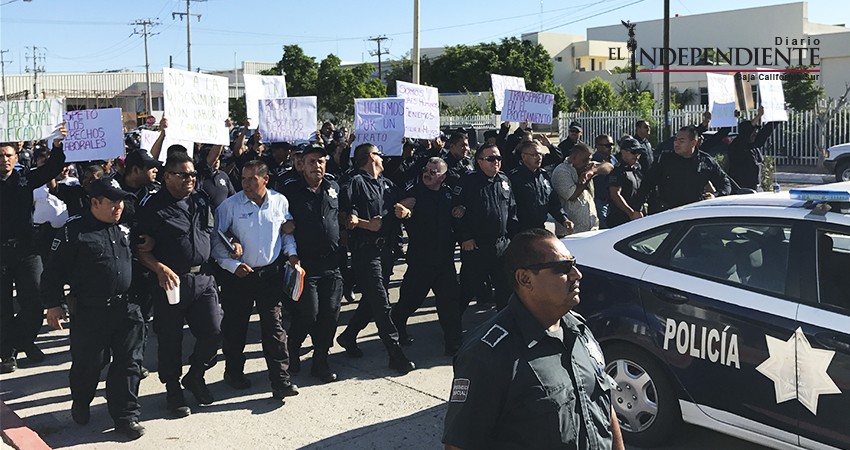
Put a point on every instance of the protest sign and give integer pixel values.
(93, 134)
(421, 110)
(26, 120)
(196, 106)
(721, 100)
(261, 87)
(502, 83)
(534, 107)
(773, 100)
(148, 138)
(291, 119)
(380, 122)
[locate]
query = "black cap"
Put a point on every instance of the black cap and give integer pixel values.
(280, 146)
(490, 133)
(315, 148)
(107, 187)
(631, 144)
(575, 126)
(140, 158)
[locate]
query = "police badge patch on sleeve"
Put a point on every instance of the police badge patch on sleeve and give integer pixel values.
(460, 390)
(55, 244)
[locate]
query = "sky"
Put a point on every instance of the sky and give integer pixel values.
(96, 35)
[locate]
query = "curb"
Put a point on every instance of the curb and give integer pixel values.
(16, 434)
(806, 178)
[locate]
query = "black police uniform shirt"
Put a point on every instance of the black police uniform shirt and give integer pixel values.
(429, 229)
(628, 179)
(130, 206)
(317, 217)
(75, 198)
(180, 227)
(457, 168)
(215, 183)
(683, 180)
(16, 197)
(366, 197)
(490, 208)
(518, 385)
(534, 199)
(93, 257)
(645, 159)
(745, 159)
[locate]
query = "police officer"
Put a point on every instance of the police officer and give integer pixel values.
(368, 200)
(574, 134)
(457, 158)
(255, 217)
(426, 212)
(685, 175)
(180, 221)
(314, 204)
(92, 254)
(21, 264)
(211, 179)
(485, 213)
(745, 156)
(533, 375)
(532, 186)
(624, 182)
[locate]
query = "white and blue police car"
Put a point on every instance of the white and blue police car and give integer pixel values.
(732, 314)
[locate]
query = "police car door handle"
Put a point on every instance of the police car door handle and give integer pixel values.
(834, 341)
(670, 295)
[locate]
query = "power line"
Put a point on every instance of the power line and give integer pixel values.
(379, 52)
(188, 14)
(3, 70)
(145, 23)
(36, 69)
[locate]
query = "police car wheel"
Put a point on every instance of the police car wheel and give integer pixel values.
(842, 173)
(646, 405)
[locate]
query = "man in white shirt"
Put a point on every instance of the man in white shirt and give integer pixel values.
(254, 272)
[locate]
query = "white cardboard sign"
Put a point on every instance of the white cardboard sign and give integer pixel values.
(291, 119)
(196, 106)
(380, 122)
(26, 120)
(721, 100)
(502, 83)
(93, 134)
(261, 87)
(534, 107)
(421, 110)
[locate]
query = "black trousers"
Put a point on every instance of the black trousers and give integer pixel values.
(482, 274)
(372, 266)
(199, 309)
(317, 312)
(238, 296)
(418, 281)
(95, 334)
(21, 267)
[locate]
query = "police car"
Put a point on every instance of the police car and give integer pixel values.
(731, 313)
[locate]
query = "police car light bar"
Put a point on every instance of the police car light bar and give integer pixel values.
(820, 195)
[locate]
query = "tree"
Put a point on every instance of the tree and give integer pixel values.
(340, 86)
(301, 71)
(237, 110)
(802, 93)
(595, 95)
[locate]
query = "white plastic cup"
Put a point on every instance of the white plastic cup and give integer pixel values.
(173, 294)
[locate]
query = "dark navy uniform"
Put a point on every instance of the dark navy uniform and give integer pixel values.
(457, 168)
(21, 264)
(682, 180)
(518, 385)
(490, 219)
(95, 259)
(215, 183)
(430, 264)
(628, 179)
(535, 198)
(182, 229)
(316, 216)
(745, 158)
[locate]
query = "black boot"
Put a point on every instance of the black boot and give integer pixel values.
(175, 400)
(321, 369)
(194, 382)
(399, 362)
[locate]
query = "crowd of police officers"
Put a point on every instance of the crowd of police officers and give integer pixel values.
(155, 247)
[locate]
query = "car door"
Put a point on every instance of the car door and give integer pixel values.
(823, 341)
(717, 298)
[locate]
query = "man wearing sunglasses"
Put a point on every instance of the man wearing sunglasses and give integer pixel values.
(532, 185)
(485, 218)
(533, 376)
(624, 183)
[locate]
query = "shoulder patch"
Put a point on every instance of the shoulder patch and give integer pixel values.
(458, 189)
(145, 199)
(494, 335)
(460, 390)
(55, 244)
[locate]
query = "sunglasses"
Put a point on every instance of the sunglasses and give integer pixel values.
(378, 154)
(564, 266)
(492, 158)
(607, 144)
(432, 172)
(184, 175)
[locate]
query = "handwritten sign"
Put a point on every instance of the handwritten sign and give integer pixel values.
(421, 110)
(25, 120)
(93, 134)
(534, 107)
(502, 83)
(261, 87)
(380, 122)
(148, 138)
(291, 119)
(196, 106)
(721, 100)
(773, 100)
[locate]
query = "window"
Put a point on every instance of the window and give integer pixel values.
(833, 254)
(703, 96)
(578, 63)
(645, 246)
(592, 64)
(753, 256)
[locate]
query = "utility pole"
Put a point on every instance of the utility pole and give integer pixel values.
(145, 23)
(414, 58)
(666, 77)
(36, 69)
(3, 71)
(189, 16)
(378, 53)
